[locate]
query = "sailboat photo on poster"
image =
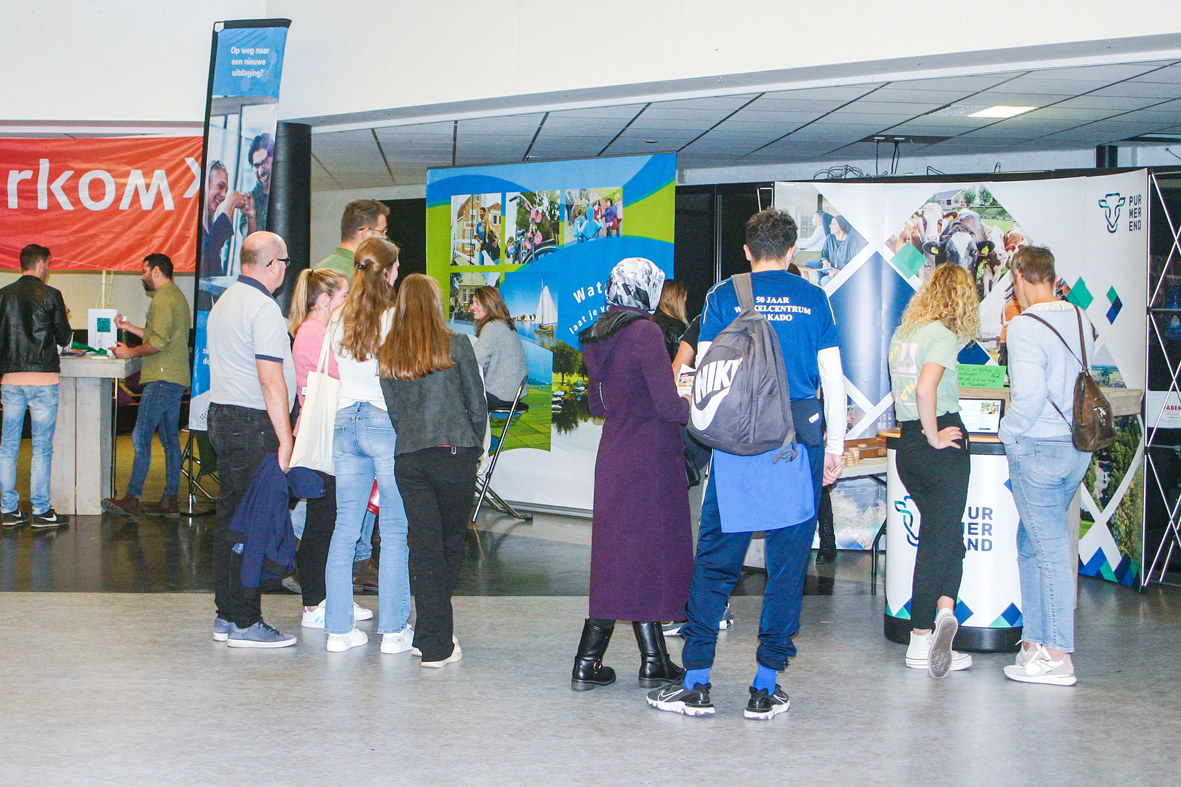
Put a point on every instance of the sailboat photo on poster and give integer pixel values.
(547, 311)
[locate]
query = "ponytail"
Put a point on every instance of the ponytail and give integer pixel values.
(310, 285)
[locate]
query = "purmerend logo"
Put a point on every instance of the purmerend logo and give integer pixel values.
(1111, 203)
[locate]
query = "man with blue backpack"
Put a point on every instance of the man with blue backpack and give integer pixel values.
(774, 346)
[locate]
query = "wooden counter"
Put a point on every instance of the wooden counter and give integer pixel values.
(83, 441)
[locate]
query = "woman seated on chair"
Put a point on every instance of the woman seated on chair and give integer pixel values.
(498, 348)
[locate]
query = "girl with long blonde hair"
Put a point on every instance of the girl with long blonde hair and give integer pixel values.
(670, 315)
(363, 451)
(933, 455)
(432, 389)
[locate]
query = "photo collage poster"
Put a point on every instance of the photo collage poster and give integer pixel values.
(546, 235)
(875, 243)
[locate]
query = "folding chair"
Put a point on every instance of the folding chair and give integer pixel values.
(198, 461)
(484, 482)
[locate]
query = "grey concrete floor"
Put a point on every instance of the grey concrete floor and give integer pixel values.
(129, 689)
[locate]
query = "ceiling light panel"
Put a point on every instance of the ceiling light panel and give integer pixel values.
(1001, 111)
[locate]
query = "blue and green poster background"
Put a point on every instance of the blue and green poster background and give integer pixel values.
(547, 236)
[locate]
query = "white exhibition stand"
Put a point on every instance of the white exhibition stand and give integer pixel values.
(83, 442)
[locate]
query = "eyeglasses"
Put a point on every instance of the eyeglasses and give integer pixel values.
(285, 260)
(259, 164)
(384, 233)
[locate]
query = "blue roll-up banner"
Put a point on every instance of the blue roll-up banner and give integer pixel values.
(241, 112)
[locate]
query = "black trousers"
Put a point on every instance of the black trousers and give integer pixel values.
(241, 437)
(313, 547)
(937, 481)
(437, 486)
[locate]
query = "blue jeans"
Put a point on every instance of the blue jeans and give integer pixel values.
(159, 409)
(41, 402)
(1044, 474)
(718, 566)
(363, 449)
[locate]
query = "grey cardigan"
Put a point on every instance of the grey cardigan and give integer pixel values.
(443, 408)
(502, 358)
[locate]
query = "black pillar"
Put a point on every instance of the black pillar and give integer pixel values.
(290, 211)
(1106, 157)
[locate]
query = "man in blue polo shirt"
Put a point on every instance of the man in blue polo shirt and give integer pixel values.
(252, 390)
(803, 319)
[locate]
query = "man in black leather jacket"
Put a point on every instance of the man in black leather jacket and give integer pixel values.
(33, 322)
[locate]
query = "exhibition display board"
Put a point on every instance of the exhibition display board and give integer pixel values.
(891, 235)
(241, 112)
(129, 196)
(547, 236)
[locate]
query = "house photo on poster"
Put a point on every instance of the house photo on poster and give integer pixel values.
(546, 236)
(871, 246)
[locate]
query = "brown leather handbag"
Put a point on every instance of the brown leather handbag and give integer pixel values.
(1093, 426)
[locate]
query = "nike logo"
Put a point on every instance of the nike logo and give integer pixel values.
(711, 386)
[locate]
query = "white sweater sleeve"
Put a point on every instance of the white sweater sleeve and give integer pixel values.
(832, 384)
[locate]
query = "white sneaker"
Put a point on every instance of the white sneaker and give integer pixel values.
(338, 643)
(314, 619)
(398, 641)
(418, 653)
(456, 655)
(920, 647)
(1041, 669)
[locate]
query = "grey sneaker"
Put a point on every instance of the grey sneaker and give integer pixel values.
(260, 635)
(221, 630)
(1040, 669)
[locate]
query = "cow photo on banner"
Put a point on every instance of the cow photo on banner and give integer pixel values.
(547, 235)
(871, 245)
(242, 112)
(98, 203)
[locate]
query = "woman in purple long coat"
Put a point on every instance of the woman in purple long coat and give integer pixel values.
(641, 540)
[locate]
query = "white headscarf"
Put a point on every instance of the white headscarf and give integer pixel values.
(635, 282)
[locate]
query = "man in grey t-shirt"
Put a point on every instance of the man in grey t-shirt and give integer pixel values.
(252, 390)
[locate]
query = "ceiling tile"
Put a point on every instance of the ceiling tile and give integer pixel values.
(1170, 74)
(839, 94)
(1093, 101)
(1158, 90)
(1106, 74)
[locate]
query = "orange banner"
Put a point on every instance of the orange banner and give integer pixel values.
(100, 204)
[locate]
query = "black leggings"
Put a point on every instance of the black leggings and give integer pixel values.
(937, 481)
(312, 556)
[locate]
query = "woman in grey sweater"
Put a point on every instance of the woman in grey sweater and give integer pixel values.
(432, 390)
(498, 348)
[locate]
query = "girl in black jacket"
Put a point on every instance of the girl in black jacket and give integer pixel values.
(432, 389)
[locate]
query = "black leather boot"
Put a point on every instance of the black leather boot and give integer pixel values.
(588, 664)
(657, 668)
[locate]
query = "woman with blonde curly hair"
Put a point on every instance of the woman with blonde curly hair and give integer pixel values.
(932, 463)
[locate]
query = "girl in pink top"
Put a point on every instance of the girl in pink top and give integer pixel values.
(317, 295)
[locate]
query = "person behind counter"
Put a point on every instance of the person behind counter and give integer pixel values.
(165, 376)
(670, 315)
(432, 389)
(34, 320)
(1045, 469)
(641, 537)
(934, 467)
(499, 350)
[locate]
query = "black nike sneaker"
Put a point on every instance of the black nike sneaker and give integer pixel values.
(15, 518)
(675, 698)
(50, 519)
(766, 706)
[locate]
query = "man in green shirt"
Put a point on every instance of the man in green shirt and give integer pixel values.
(362, 219)
(165, 376)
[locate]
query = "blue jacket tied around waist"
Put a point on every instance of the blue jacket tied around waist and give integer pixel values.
(262, 524)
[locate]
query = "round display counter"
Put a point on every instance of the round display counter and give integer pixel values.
(989, 604)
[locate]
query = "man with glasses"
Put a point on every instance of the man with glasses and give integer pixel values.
(363, 218)
(252, 390)
(254, 210)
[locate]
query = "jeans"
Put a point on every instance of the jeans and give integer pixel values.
(41, 402)
(437, 486)
(363, 449)
(1045, 473)
(719, 565)
(241, 437)
(159, 409)
(937, 482)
